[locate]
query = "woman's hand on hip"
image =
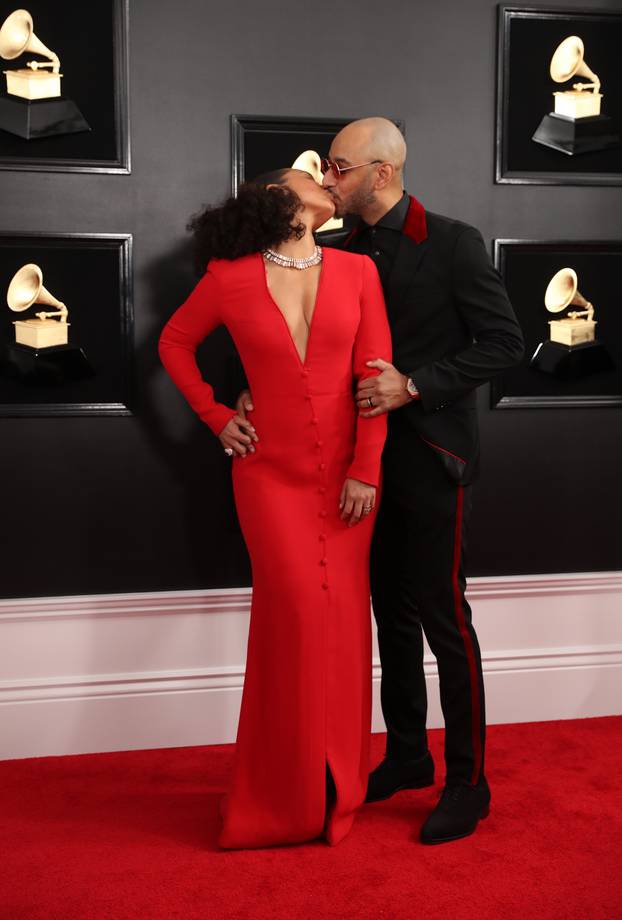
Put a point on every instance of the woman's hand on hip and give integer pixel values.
(356, 501)
(238, 435)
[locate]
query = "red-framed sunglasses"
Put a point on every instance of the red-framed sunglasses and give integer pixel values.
(327, 165)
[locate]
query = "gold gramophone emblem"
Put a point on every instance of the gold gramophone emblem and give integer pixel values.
(34, 105)
(572, 350)
(584, 99)
(576, 125)
(49, 328)
(578, 326)
(33, 81)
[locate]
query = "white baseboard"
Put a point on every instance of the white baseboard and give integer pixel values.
(133, 671)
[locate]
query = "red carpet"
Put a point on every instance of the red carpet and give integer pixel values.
(132, 835)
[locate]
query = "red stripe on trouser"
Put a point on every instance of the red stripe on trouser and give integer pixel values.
(468, 644)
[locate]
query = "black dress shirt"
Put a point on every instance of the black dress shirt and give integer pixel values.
(381, 240)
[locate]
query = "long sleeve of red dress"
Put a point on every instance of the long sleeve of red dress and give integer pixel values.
(373, 340)
(180, 338)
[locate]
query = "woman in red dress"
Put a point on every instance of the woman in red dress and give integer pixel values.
(306, 470)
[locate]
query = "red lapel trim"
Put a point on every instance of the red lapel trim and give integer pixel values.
(415, 224)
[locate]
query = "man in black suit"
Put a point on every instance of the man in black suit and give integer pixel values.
(453, 329)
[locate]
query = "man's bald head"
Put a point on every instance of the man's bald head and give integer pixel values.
(373, 139)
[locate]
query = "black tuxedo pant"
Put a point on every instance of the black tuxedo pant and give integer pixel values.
(418, 583)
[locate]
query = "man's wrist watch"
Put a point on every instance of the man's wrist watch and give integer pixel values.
(411, 388)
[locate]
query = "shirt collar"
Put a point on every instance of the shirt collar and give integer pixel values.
(395, 217)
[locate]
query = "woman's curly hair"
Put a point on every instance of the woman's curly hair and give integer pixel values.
(259, 218)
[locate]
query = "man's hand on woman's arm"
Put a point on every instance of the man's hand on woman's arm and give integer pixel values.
(383, 393)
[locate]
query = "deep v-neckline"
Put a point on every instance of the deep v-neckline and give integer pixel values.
(302, 361)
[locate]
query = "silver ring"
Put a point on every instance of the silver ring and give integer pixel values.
(370, 402)
(367, 509)
(229, 451)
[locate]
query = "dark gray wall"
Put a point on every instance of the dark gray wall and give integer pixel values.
(143, 503)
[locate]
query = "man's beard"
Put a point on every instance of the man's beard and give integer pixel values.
(355, 203)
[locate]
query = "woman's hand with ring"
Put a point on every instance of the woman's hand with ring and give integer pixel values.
(356, 501)
(238, 435)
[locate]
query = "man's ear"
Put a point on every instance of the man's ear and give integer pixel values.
(384, 175)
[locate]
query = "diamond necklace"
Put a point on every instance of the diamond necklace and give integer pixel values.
(290, 261)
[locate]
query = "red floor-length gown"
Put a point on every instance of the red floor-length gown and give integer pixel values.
(307, 692)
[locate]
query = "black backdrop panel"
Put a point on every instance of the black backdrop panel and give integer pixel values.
(92, 276)
(262, 143)
(91, 44)
(531, 39)
(527, 268)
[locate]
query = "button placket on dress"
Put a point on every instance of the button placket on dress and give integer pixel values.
(321, 469)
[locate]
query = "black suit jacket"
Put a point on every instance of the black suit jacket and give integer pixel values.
(453, 328)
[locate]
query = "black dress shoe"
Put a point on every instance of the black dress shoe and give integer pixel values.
(460, 808)
(391, 776)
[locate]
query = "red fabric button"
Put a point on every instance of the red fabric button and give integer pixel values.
(322, 490)
(314, 420)
(325, 586)
(322, 537)
(321, 466)
(304, 373)
(319, 443)
(307, 397)
(322, 514)
(323, 561)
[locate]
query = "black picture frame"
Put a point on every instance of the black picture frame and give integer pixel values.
(526, 36)
(263, 142)
(95, 62)
(527, 266)
(92, 274)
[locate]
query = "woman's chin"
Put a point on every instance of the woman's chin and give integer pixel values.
(322, 218)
